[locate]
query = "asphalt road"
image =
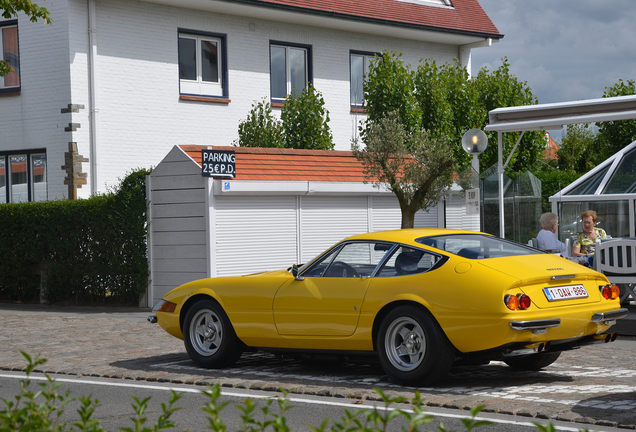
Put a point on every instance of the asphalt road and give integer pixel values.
(116, 407)
(594, 387)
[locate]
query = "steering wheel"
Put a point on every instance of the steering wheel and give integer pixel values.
(341, 269)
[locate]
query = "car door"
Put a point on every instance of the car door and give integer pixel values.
(328, 299)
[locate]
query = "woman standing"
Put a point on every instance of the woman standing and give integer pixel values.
(586, 239)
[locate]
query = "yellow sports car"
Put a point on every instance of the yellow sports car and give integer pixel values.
(419, 299)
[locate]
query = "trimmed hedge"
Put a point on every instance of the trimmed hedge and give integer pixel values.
(86, 251)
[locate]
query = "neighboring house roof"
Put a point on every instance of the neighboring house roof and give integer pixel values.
(275, 164)
(551, 148)
(466, 16)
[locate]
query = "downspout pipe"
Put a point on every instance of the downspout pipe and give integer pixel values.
(92, 55)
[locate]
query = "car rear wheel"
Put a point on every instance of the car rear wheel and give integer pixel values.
(412, 347)
(533, 362)
(209, 336)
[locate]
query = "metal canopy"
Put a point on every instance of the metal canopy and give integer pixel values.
(551, 117)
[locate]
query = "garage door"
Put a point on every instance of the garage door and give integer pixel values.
(325, 221)
(254, 233)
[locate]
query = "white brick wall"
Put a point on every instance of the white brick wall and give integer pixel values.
(140, 115)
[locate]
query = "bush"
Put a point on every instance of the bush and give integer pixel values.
(84, 251)
(303, 124)
(305, 121)
(261, 128)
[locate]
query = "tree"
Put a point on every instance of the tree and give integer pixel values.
(416, 166)
(499, 89)
(260, 128)
(10, 9)
(446, 101)
(614, 135)
(304, 123)
(576, 151)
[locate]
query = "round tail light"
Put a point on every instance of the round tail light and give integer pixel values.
(512, 302)
(607, 292)
(520, 301)
(524, 302)
(616, 291)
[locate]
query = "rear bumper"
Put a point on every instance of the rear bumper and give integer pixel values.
(542, 326)
(524, 348)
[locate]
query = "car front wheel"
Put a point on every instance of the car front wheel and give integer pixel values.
(209, 337)
(412, 347)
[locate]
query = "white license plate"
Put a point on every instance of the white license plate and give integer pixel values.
(565, 292)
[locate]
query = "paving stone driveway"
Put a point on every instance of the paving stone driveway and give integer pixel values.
(595, 385)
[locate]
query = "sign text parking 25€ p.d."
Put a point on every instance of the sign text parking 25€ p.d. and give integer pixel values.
(218, 163)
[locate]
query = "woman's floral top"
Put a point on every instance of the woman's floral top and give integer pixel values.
(587, 245)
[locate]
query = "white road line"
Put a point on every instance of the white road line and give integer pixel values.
(256, 396)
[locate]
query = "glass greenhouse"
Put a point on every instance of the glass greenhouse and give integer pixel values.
(609, 190)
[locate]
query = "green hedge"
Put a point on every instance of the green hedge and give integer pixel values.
(90, 251)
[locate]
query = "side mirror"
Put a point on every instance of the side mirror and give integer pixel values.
(294, 271)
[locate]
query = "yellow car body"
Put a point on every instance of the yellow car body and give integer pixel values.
(346, 307)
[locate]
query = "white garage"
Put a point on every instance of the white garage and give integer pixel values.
(282, 207)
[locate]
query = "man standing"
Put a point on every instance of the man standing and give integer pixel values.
(546, 239)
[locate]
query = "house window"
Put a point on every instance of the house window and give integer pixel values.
(202, 64)
(9, 52)
(290, 69)
(359, 69)
(23, 177)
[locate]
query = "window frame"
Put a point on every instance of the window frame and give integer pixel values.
(367, 57)
(277, 101)
(205, 89)
(3, 87)
(8, 183)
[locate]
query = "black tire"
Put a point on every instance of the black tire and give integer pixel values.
(533, 362)
(209, 336)
(412, 347)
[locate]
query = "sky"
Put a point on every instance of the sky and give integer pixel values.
(566, 50)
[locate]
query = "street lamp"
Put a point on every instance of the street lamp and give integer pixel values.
(474, 142)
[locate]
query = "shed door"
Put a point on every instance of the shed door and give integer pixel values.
(324, 221)
(254, 233)
(386, 215)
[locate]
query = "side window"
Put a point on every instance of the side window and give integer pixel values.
(23, 177)
(202, 64)
(350, 261)
(290, 69)
(9, 52)
(358, 70)
(407, 261)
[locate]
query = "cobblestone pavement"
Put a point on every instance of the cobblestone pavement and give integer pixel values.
(594, 386)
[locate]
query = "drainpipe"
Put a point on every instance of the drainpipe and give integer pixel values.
(92, 55)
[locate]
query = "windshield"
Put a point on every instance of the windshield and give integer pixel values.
(477, 246)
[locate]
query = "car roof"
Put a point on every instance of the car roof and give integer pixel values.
(408, 235)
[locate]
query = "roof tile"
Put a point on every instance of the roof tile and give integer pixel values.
(465, 15)
(253, 163)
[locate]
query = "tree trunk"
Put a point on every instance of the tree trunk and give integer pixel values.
(408, 218)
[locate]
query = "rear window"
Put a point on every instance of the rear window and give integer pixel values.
(477, 246)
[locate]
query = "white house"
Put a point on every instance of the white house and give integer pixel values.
(113, 85)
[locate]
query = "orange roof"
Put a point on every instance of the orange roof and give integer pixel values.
(255, 163)
(465, 17)
(550, 151)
